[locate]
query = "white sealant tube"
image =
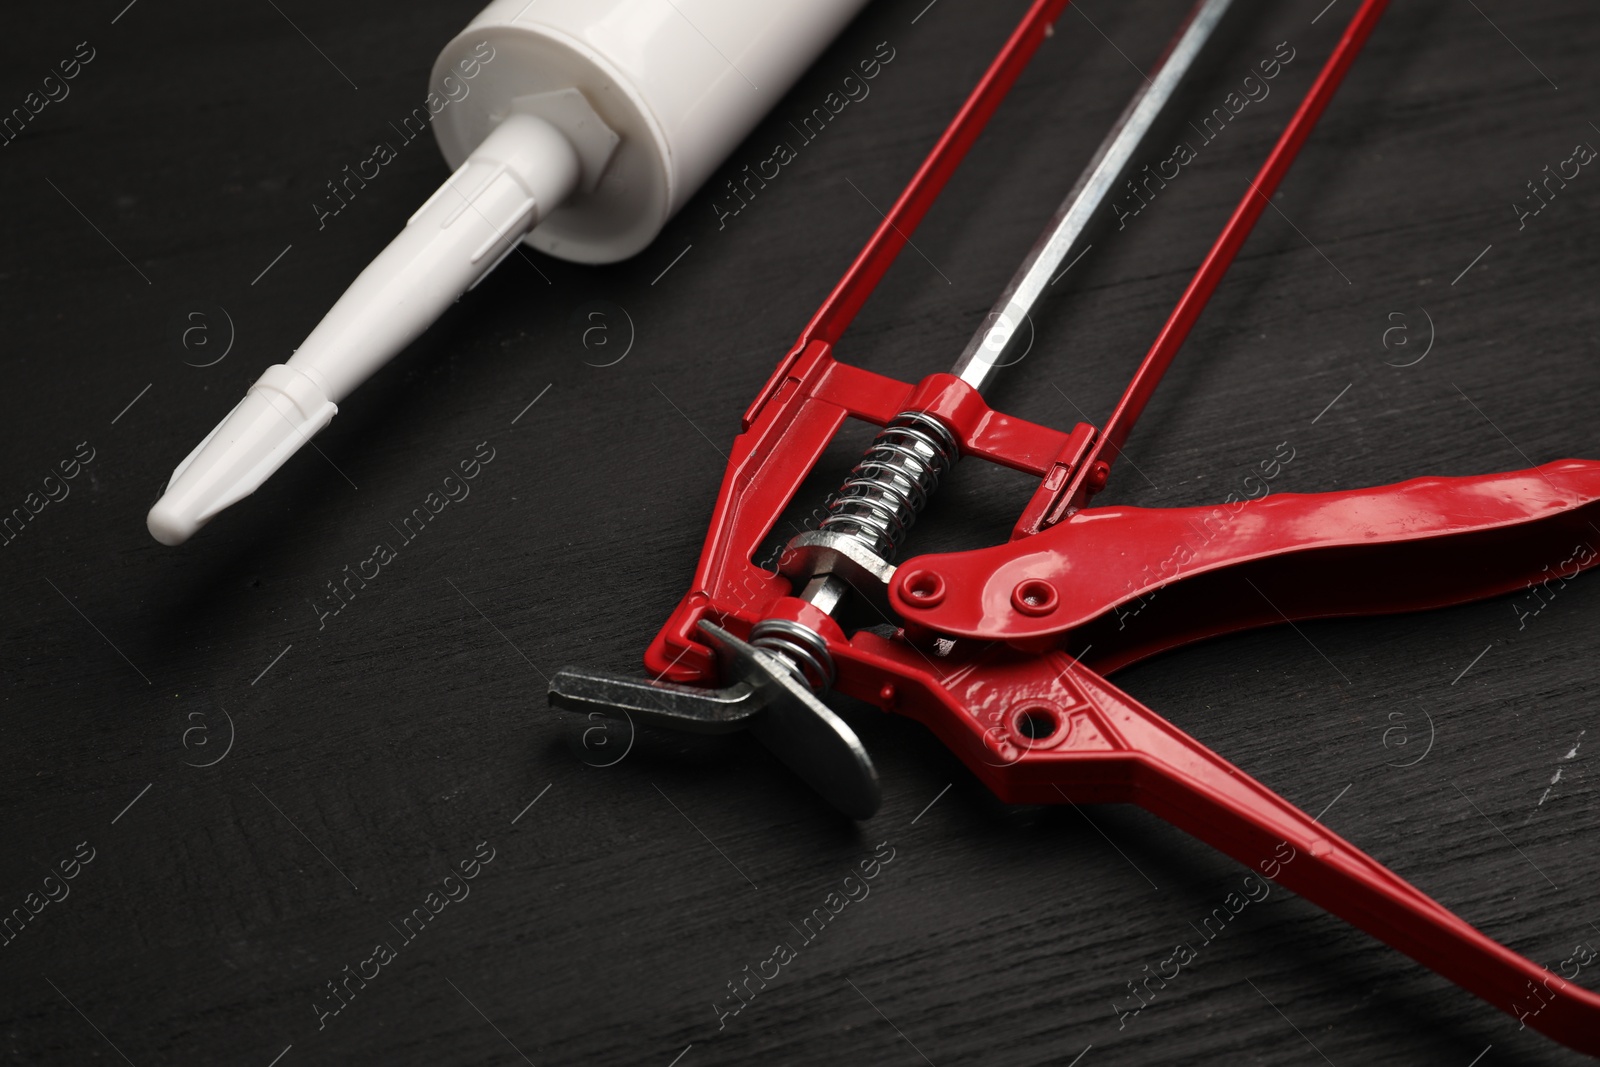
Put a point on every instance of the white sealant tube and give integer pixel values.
(586, 125)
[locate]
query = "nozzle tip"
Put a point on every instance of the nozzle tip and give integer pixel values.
(282, 411)
(169, 524)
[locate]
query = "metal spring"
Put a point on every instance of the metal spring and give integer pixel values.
(881, 498)
(800, 648)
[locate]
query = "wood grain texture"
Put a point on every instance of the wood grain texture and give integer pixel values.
(374, 753)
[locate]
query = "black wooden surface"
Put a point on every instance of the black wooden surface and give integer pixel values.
(373, 754)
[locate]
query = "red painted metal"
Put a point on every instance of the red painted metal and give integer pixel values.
(806, 400)
(1038, 725)
(1218, 260)
(1097, 745)
(852, 290)
(772, 457)
(1129, 582)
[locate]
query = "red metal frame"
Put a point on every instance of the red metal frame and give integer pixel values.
(1227, 245)
(1038, 725)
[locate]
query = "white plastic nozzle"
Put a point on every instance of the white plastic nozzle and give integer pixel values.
(581, 127)
(520, 173)
(281, 412)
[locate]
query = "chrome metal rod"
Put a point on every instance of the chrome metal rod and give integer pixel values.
(1008, 325)
(879, 502)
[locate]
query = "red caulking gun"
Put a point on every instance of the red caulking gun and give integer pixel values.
(980, 653)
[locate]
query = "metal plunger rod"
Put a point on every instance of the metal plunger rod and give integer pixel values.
(891, 484)
(994, 342)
